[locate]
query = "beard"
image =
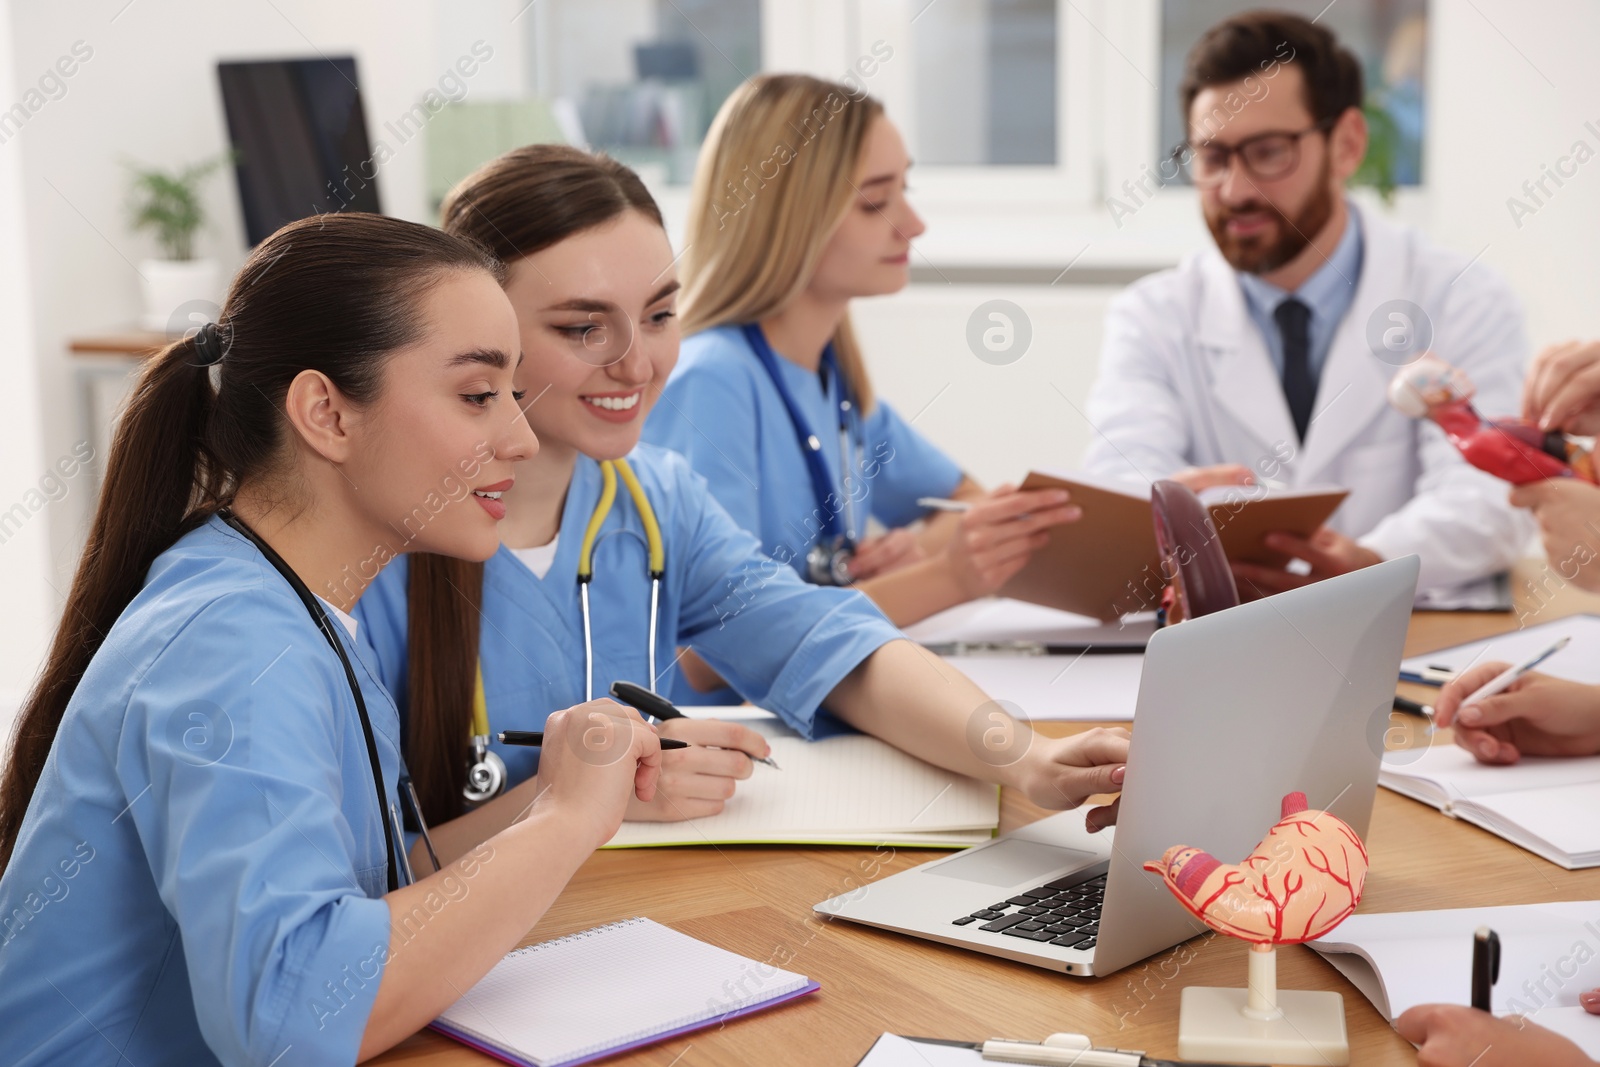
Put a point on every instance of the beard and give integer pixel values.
(1260, 255)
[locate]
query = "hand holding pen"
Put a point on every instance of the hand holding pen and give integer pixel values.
(1535, 715)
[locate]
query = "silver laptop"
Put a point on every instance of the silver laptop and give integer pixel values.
(1236, 709)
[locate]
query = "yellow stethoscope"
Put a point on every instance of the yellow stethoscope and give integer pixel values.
(486, 775)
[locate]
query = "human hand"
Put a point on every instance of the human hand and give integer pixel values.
(1061, 773)
(886, 552)
(1327, 551)
(1536, 715)
(699, 781)
(1567, 510)
(1452, 1035)
(999, 532)
(1198, 478)
(596, 758)
(1562, 388)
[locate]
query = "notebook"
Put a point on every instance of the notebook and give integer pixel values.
(1546, 806)
(1105, 565)
(1578, 662)
(616, 987)
(849, 789)
(1549, 953)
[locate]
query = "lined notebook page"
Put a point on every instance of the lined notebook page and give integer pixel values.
(566, 1000)
(848, 788)
(1577, 662)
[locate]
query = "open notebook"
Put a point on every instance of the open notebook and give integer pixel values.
(1549, 953)
(1547, 806)
(616, 987)
(1578, 662)
(846, 790)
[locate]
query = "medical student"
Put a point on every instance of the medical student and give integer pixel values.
(799, 207)
(615, 553)
(199, 811)
(1268, 356)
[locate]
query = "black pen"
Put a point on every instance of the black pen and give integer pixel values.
(652, 703)
(1412, 707)
(535, 739)
(1485, 966)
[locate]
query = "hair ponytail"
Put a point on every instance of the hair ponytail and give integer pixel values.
(344, 298)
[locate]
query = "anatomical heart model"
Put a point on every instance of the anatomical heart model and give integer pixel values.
(1513, 449)
(1302, 880)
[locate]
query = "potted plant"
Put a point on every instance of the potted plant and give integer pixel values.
(168, 203)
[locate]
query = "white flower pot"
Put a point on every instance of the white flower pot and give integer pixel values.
(178, 294)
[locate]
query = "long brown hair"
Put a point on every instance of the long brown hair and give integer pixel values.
(333, 293)
(773, 183)
(515, 205)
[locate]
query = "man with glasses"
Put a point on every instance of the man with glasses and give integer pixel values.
(1266, 359)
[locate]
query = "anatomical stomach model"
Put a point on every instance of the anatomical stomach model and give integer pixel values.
(1509, 448)
(1303, 879)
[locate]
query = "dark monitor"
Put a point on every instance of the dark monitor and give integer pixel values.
(300, 140)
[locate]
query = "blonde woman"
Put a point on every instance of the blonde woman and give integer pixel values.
(799, 206)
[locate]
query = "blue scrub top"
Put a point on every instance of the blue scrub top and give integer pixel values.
(780, 642)
(722, 411)
(198, 876)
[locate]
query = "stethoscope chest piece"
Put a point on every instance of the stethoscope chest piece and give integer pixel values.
(828, 562)
(486, 777)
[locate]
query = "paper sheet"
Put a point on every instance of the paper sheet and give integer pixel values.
(892, 1050)
(1579, 661)
(1549, 954)
(851, 788)
(1089, 687)
(1001, 620)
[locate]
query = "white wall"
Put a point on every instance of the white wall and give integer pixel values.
(30, 606)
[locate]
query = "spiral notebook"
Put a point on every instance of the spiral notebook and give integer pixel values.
(590, 995)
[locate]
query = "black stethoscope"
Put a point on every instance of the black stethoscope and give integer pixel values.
(827, 561)
(392, 828)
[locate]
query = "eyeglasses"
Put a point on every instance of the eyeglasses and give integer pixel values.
(1267, 156)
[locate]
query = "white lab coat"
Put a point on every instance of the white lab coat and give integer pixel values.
(1186, 380)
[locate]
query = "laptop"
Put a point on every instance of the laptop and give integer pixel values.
(1236, 709)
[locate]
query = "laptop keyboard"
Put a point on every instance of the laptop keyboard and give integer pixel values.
(1064, 912)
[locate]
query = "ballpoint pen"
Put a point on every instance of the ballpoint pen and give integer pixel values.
(654, 704)
(1061, 1050)
(1503, 680)
(535, 739)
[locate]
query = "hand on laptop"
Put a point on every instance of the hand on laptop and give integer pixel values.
(1452, 1035)
(1327, 551)
(1567, 510)
(1063, 772)
(1198, 478)
(1562, 389)
(1537, 715)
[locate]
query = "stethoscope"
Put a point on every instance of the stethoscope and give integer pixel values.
(486, 773)
(828, 560)
(392, 828)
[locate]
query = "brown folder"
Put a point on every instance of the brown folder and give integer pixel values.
(1105, 565)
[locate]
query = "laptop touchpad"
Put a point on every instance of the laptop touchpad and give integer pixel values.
(1009, 862)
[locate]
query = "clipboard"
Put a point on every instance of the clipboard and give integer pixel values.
(1106, 565)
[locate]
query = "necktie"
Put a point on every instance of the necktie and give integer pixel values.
(1299, 384)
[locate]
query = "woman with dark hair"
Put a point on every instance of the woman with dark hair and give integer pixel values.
(198, 820)
(616, 554)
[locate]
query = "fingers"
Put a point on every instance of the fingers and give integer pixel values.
(1506, 705)
(1005, 506)
(1563, 384)
(1462, 686)
(1198, 478)
(1255, 580)
(741, 744)
(1090, 763)
(1590, 999)
(1100, 818)
(1487, 748)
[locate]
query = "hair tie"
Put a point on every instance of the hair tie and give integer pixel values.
(211, 343)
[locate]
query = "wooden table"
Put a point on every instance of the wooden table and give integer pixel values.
(757, 901)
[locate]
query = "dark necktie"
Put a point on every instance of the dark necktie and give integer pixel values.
(1299, 384)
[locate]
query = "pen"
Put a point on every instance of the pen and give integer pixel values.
(1500, 681)
(535, 739)
(939, 503)
(1066, 1050)
(1485, 966)
(1412, 707)
(652, 703)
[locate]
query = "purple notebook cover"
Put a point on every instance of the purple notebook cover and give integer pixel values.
(505, 1057)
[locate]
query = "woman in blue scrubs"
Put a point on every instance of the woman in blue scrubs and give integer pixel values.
(198, 813)
(798, 208)
(594, 286)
